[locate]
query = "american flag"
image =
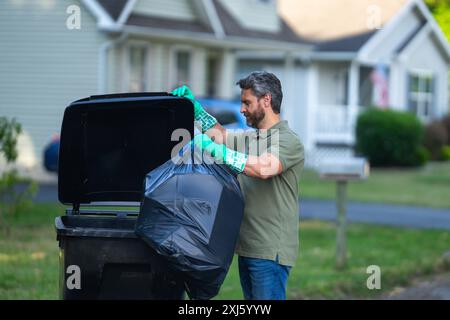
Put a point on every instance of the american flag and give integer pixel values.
(379, 78)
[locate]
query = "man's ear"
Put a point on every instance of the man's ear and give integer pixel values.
(268, 100)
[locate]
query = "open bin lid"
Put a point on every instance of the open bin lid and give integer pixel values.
(110, 142)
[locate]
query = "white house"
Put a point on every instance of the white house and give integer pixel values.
(338, 75)
(329, 86)
(46, 61)
(56, 51)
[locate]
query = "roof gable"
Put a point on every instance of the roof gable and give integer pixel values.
(345, 44)
(391, 40)
(423, 21)
(233, 28)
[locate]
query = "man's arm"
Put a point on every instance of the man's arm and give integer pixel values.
(264, 166)
(218, 134)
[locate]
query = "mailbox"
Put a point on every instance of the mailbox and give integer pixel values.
(344, 169)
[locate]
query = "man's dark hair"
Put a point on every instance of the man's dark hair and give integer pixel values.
(262, 83)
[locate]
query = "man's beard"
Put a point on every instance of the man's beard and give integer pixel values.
(255, 118)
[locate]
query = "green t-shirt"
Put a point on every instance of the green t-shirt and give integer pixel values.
(270, 224)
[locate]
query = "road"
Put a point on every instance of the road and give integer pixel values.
(376, 213)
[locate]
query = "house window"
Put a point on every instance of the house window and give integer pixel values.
(182, 68)
(341, 89)
(138, 69)
(333, 81)
(211, 76)
(421, 94)
(365, 87)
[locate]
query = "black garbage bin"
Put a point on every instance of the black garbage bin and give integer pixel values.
(108, 144)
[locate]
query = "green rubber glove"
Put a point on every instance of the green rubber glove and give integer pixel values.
(233, 159)
(207, 121)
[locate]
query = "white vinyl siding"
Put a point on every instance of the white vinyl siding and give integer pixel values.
(403, 31)
(254, 14)
(172, 9)
(44, 66)
(427, 56)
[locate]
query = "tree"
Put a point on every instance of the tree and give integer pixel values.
(441, 12)
(11, 200)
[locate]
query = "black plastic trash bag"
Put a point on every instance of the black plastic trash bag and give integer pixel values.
(191, 215)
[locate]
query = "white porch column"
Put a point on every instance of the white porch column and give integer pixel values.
(227, 75)
(198, 71)
(312, 106)
(353, 98)
(156, 70)
(288, 106)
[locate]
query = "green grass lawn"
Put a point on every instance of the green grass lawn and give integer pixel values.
(29, 259)
(29, 256)
(426, 186)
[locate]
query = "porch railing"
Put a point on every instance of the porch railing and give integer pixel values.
(336, 122)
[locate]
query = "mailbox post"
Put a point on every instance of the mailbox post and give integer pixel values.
(343, 170)
(341, 241)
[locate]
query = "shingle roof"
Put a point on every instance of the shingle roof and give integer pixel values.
(169, 24)
(345, 44)
(230, 24)
(232, 27)
(113, 7)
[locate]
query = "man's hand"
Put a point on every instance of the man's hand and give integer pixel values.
(206, 120)
(183, 92)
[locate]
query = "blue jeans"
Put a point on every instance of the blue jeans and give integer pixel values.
(263, 279)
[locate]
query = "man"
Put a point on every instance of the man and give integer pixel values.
(268, 242)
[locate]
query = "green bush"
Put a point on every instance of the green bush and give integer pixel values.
(423, 155)
(390, 138)
(11, 200)
(445, 153)
(435, 138)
